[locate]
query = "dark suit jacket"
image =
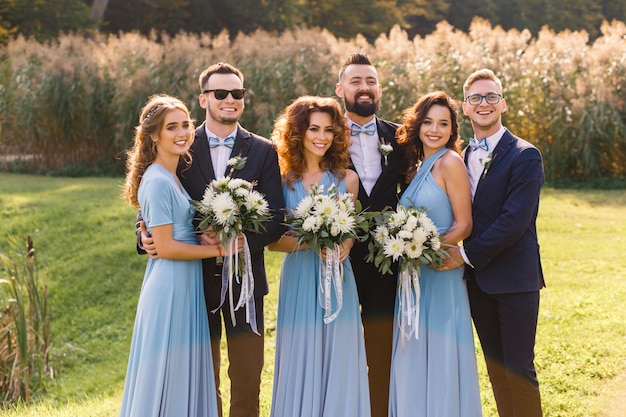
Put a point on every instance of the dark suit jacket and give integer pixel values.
(262, 167)
(386, 190)
(503, 245)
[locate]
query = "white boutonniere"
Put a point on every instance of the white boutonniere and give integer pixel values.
(385, 149)
(486, 163)
(236, 163)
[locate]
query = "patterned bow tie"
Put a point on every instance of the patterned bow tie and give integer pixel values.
(215, 142)
(482, 144)
(370, 129)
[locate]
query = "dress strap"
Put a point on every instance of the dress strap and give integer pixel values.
(426, 166)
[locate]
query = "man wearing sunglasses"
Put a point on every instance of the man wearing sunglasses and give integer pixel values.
(218, 139)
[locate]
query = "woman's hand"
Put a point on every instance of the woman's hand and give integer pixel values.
(344, 250)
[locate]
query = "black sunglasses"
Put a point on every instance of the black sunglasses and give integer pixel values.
(222, 94)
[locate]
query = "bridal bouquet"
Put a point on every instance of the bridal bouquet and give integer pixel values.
(323, 220)
(408, 236)
(231, 206)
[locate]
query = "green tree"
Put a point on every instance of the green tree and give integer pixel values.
(45, 19)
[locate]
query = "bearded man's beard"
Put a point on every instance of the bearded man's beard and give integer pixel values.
(362, 109)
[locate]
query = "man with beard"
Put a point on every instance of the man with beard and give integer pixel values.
(380, 165)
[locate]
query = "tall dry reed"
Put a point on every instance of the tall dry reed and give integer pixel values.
(71, 104)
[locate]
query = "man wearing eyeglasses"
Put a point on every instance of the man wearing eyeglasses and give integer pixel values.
(503, 272)
(218, 139)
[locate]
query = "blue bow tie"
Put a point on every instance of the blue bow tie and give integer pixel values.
(370, 129)
(215, 142)
(482, 144)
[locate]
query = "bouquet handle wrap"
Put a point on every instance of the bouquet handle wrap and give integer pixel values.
(239, 270)
(331, 278)
(409, 298)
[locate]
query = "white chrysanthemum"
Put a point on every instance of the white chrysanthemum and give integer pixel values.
(413, 250)
(221, 183)
(205, 203)
(224, 208)
(326, 208)
(405, 235)
(394, 248)
(334, 230)
(311, 224)
(398, 219)
(241, 192)
(235, 183)
(256, 202)
(304, 207)
(427, 224)
(410, 224)
(435, 243)
(381, 234)
(344, 222)
(348, 204)
(419, 237)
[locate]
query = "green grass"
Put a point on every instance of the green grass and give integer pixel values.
(84, 237)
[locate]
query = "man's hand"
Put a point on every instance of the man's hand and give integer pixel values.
(454, 261)
(147, 241)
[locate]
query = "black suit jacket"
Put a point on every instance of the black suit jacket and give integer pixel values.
(386, 191)
(503, 245)
(262, 168)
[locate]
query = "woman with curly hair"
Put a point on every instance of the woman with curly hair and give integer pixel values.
(320, 368)
(170, 370)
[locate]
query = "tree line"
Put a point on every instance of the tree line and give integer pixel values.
(45, 19)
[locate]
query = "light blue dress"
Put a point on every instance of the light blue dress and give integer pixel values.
(320, 369)
(170, 370)
(436, 375)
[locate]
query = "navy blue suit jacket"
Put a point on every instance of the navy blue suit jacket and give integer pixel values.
(261, 167)
(503, 245)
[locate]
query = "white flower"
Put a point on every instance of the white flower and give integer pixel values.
(235, 183)
(381, 234)
(435, 243)
(394, 248)
(399, 218)
(419, 237)
(334, 230)
(411, 224)
(304, 206)
(405, 235)
(256, 202)
(344, 222)
(413, 250)
(325, 208)
(224, 208)
(311, 224)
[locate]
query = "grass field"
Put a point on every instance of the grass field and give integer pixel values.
(84, 237)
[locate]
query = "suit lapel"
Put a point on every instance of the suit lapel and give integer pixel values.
(202, 154)
(497, 155)
(242, 145)
(389, 137)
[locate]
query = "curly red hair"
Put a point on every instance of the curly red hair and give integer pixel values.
(290, 128)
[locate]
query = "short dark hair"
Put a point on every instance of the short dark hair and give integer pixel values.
(219, 68)
(356, 58)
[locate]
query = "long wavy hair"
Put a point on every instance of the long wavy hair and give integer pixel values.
(143, 152)
(289, 131)
(409, 132)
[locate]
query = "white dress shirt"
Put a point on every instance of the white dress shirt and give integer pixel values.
(220, 154)
(475, 168)
(365, 156)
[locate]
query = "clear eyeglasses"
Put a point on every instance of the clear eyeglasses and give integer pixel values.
(476, 99)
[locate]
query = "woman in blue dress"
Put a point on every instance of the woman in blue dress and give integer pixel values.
(320, 368)
(435, 375)
(170, 370)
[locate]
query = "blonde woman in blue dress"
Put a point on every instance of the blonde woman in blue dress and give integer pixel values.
(435, 375)
(320, 368)
(170, 370)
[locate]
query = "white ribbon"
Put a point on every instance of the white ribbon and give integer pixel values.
(331, 277)
(234, 269)
(409, 310)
